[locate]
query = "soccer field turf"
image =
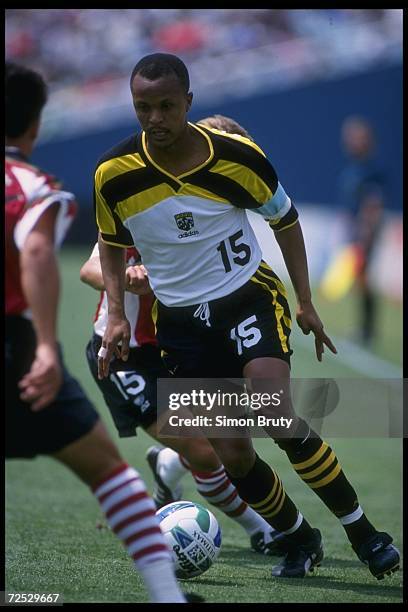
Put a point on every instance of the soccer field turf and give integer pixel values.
(53, 544)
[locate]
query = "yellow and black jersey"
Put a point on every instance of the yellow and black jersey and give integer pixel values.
(191, 230)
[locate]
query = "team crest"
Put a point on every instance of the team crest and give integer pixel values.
(184, 221)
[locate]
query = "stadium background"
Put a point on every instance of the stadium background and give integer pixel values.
(290, 77)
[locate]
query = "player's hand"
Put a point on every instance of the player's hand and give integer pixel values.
(137, 280)
(309, 321)
(115, 341)
(41, 384)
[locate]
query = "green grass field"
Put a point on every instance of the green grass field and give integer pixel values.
(53, 545)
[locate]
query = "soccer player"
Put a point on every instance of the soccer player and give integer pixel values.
(47, 412)
(361, 195)
(179, 191)
(130, 394)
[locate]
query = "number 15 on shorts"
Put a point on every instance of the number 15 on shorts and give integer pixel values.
(245, 334)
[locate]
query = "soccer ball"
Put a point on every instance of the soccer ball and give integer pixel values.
(192, 534)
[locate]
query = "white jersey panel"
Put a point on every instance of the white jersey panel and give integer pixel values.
(195, 249)
(132, 308)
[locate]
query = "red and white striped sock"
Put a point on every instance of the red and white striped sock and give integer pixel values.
(130, 513)
(219, 491)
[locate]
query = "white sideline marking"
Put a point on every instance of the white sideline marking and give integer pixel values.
(356, 357)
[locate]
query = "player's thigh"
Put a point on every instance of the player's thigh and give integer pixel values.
(93, 456)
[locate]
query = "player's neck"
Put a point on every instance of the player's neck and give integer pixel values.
(185, 154)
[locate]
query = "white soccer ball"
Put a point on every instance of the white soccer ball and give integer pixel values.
(192, 534)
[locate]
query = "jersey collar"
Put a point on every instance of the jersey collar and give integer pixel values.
(185, 174)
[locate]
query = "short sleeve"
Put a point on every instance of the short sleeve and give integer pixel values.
(66, 214)
(108, 221)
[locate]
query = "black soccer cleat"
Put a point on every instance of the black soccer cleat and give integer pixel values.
(193, 598)
(301, 559)
(379, 554)
(162, 495)
(273, 544)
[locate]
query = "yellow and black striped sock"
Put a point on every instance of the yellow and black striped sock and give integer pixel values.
(317, 465)
(263, 490)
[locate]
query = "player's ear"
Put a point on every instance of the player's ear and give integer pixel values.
(189, 100)
(34, 129)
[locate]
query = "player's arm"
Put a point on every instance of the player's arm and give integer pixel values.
(276, 207)
(113, 240)
(292, 246)
(40, 283)
(117, 334)
(136, 280)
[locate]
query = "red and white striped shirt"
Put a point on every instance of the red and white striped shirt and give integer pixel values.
(29, 192)
(138, 309)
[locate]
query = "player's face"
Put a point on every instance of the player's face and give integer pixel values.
(161, 107)
(357, 139)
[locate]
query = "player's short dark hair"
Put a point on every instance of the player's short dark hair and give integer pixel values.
(156, 65)
(26, 95)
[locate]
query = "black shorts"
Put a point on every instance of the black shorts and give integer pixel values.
(70, 416)
(219, 338)
(130, 391)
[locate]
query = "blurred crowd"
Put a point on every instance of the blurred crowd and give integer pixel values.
(87, 46)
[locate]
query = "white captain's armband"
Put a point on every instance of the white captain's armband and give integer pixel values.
(277, 207)
(279, 210)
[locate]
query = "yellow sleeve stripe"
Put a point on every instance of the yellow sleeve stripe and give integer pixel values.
(282, 229)
(117, 166)
(104, 217)
(143, 200)
(242, 139)
(245, 177)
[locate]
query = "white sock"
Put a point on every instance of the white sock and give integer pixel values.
(170, 468)
(159, 580)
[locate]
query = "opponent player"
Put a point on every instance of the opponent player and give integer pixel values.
(47, 411)
(361, 195)
(179, 191)
(130, 394)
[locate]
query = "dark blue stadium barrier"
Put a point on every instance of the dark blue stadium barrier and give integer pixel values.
(298, 129)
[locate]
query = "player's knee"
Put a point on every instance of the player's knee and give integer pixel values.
(238, 465)
(93, 457)
(201, 456)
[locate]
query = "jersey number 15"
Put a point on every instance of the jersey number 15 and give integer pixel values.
(242, 251)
